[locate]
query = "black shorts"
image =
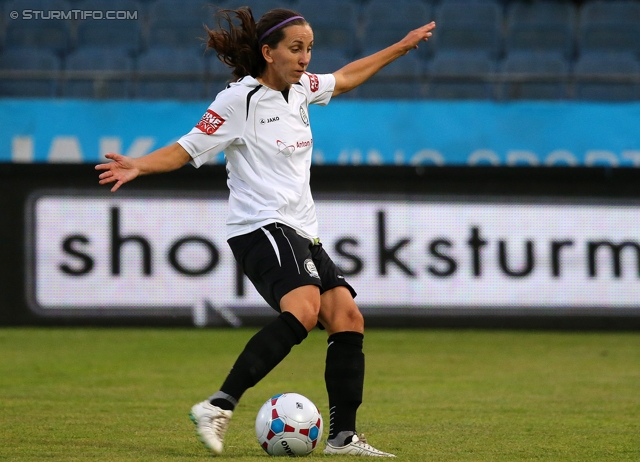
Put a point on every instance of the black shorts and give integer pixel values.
(276, 259)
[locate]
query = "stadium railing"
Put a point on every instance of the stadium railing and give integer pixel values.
(497, 80)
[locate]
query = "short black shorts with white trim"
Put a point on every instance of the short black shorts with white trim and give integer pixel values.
(276, 259)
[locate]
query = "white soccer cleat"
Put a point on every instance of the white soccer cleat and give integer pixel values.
(211, 424)
(357, 447)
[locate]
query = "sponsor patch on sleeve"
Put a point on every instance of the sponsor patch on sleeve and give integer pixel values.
(314, 82)
(210, 122)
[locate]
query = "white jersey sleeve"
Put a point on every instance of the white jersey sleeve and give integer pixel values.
(319, 87)
(221, 125)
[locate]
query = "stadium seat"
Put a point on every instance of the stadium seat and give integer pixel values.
(179, 23)
(387, 22)
(260, 7)
(541, 26)
(36, 31)
(402, 79)
(112, 69)
(469, 26)
(462, 75)
(170, 73)
(535, 76)
(120, 33)
(324, 61)
(218, 76)
(29, 59)
(607, 76)
(335, 25)
(610, 26)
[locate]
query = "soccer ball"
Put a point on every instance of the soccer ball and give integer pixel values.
(288, 425)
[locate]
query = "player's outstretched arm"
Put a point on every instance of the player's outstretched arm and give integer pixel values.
(123, 169)
(358, 72)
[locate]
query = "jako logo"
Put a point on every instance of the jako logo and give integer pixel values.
(287, 449)
(269, 120)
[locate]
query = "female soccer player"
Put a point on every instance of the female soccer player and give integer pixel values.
(261, 123)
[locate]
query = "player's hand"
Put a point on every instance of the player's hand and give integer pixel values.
(421, 34)
(120, 171)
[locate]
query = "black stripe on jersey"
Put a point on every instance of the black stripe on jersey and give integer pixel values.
(249, 96)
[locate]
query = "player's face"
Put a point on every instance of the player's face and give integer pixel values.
(289, 60)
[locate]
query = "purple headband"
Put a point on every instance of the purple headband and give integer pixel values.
(277, 26)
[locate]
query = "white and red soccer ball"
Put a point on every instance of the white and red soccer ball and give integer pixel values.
(289, 424)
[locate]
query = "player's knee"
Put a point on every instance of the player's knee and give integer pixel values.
(307, 313)
(304, 304)
(344, 319)
(355, 320)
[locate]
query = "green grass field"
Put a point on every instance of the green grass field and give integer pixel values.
(430, 395)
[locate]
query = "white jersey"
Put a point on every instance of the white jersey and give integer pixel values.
(267, 142)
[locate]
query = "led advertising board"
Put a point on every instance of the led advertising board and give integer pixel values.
(154, 255)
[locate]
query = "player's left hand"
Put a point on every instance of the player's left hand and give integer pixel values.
(421, 34)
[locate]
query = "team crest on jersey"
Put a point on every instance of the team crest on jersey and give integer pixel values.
(285, 149)
(310, 268)
(314, 82)
(304, 116)
(210, 122)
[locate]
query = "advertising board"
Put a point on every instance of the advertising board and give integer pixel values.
(392, 133)
(152, 254)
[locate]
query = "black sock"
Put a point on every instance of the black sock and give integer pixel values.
(344, 377)
(223, 401)
(263, 352)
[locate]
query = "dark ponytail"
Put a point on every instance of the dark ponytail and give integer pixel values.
(237, 44)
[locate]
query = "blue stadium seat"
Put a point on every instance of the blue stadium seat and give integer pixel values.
(35, 5)
(179, 23)
(218, 76)
(462, 75)
(119, 33)
(37, 30)
(3, 25)
(109, 5)
(607, 76)
(541, 26)
(387, 22)
(324, 61)
(335, 25)
(610, 26)
(327, 61)
(469, 26)
(111, 69)
(170, 73)
(29, 59)
(402, 79)
(260, 7)
(535, 76)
